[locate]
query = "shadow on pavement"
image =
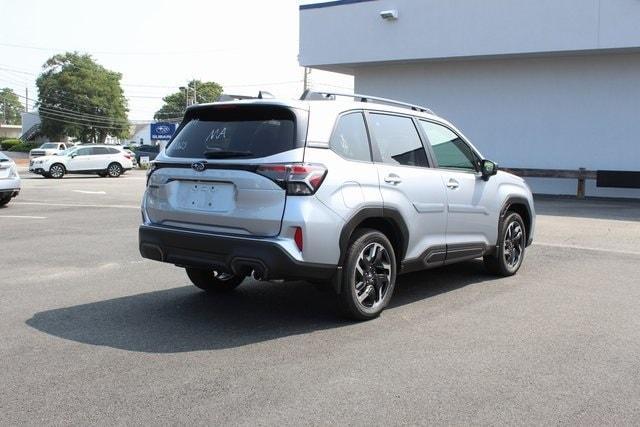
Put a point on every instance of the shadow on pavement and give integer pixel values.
(185, 319)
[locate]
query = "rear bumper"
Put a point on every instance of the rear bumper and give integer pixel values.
(236, 254)
(13, 193)
(9, 187)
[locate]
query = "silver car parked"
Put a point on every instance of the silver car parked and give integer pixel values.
(345, 190)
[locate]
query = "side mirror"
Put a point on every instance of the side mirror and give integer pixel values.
(488, 169)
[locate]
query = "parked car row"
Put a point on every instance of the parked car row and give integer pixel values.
(55, 148)
(103, 160)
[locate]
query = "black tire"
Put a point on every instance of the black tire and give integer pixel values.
(4, 200)
(367, 273)
(510, 250)
(114, 170)
(212, 281)
(57, 171)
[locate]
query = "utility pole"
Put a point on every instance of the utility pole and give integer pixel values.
(307, 74)
(26, 99)
(195, 92)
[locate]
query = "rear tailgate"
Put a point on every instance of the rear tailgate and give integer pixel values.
(221, 192)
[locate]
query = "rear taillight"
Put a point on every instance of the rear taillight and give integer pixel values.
(297, 237)
(299, 179)
(128, 156)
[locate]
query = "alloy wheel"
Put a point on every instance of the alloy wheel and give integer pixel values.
(513, 244)
(56, 171)
(114, 170)
(372, 275)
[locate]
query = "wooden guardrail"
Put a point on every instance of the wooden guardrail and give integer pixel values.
(581, 175)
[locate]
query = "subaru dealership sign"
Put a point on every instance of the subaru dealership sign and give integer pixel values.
(162, 131)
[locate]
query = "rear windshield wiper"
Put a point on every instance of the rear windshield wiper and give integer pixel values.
(222, 154)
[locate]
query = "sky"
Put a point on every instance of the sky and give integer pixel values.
(159, 45)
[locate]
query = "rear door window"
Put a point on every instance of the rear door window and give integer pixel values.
(350, 139)
(233, 131)
(398, 140)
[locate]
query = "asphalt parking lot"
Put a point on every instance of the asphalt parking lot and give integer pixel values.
(92, 333)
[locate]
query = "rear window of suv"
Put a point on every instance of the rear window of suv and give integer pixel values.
(235, 131)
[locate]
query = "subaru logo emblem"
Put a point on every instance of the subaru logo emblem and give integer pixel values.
(163, 129)
(198, 166)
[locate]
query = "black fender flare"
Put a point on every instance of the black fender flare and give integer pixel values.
(393, 216)
(517, 200)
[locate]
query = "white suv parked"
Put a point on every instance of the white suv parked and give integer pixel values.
(349, 193)
(104, 160)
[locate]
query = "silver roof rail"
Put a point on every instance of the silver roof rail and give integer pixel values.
(263, 94)
(315, 95)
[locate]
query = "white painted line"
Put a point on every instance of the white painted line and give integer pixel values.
(23, 216)
(585, 248)
(77, 205)
(89, 192)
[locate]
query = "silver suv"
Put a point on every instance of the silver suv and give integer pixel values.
(348, 192)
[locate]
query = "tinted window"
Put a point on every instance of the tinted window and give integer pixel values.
(349, 139)
(86, 151)
(240, 132)
(450, 150)
(112, 150)
(100, 150)
(398, 141)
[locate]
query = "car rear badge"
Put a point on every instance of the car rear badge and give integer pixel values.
(198, 166)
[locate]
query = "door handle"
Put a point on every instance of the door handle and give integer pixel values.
(392, 178)
(453, 184)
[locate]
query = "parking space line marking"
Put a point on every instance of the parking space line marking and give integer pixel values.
(23, 216)
(89, 192)
(586, 248)
(78, 205)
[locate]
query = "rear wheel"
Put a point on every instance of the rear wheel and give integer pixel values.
(369, 275)
(114, 170)
(509, 254)
(212, 280)
(56, 171)
(4, 200)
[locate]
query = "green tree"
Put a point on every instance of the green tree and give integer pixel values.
(10, 107)
(79, 98)
(175, 104)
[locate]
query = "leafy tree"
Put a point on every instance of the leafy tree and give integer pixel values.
(10, 107)
(79, 98)
(175, 103)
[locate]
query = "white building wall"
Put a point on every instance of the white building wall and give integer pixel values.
(546, 112)
(143, 136)
(342, 35)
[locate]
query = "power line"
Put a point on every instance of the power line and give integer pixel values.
(124, 53)
(47, 106)
(68, 121)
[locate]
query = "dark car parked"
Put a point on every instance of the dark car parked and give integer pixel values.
(150, 151)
